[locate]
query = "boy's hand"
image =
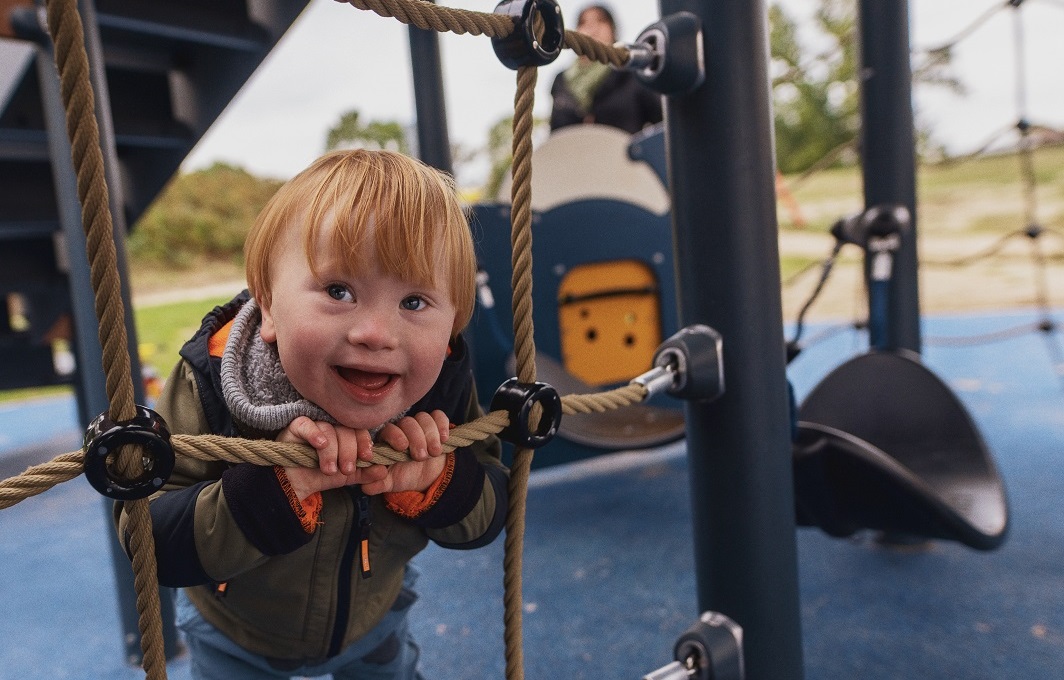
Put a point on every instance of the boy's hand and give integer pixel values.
(339, 448)
(423, 434)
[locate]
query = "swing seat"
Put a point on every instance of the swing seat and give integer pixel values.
(884, 444)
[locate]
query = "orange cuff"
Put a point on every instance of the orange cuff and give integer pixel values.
(412, 504)
(308, 509)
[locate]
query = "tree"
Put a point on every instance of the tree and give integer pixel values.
(815, 96)
(815, 92)
(500, 150)
(350, 133)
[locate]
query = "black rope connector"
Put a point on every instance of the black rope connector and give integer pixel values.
(517, 399)
(1033, 231)
(668, 56)
(105, 437)
(527, 46)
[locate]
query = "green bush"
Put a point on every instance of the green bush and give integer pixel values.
(203, 214)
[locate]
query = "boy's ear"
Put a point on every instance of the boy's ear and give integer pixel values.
(268, 331)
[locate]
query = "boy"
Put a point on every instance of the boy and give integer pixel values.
(361, 275)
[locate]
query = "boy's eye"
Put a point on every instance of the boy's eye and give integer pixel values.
(413, 303)
(339, 292)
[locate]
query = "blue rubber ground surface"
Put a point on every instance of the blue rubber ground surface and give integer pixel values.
(608, 577)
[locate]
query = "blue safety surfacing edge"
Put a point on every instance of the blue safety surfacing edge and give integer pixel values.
(609, 578)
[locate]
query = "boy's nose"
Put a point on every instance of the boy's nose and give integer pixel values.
(373, 331)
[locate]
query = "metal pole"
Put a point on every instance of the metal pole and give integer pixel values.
(888, 151)
(92, 393)
(722, 171)
(434, 146)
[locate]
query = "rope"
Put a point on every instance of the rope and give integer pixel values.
(429, 16)
(525, 353)
(65, 26)
(207, 447)
(72, 63)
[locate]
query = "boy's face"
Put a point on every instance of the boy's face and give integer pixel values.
(363, 347)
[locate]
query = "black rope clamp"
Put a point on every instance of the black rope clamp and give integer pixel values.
(105, 437)
(525, 46)
(517, 399)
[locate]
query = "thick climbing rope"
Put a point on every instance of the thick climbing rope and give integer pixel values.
(64, 24)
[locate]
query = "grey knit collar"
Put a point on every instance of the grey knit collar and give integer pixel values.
(254, 385)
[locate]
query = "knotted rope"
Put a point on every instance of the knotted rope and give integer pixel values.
(64, 24)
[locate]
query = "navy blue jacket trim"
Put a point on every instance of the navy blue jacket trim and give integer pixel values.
(261, 509)
(173, 517)
(209, 369)
(498, 480)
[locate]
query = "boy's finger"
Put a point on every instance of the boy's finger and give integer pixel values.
(394, 437)
(443, 423)
(365, 445)
(430, 428)
(373, 479)
(414, 429)
(329, 453)
(347, 449)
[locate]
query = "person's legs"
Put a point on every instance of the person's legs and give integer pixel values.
(394, 659)
(389, 651)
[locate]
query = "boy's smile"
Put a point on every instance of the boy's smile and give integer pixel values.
(362, 346)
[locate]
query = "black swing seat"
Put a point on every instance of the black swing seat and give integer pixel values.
(882, 443)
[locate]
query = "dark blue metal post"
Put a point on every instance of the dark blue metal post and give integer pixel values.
(430, 106)
(887, 152)
(722, 172)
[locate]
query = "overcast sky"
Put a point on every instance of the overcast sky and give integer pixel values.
(337, 58)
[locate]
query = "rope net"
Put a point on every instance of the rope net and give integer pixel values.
(66, 29)
(1033, 230)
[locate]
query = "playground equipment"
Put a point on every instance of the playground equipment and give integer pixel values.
(719, 157)
(882, 443)
(604, 285)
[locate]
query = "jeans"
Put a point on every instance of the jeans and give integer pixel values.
(388, 652)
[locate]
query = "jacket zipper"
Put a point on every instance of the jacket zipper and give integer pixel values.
(354, 548)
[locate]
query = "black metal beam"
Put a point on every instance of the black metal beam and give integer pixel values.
(888, 151)
(434, 145)
(722, 170)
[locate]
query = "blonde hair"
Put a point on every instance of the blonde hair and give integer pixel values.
(410, 211)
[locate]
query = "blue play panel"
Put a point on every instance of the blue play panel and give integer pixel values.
(609, 576)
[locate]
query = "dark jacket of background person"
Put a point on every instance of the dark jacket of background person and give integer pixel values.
(621, 101)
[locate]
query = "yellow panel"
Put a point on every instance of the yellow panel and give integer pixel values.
(609, 316)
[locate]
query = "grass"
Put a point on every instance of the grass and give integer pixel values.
(162, 329)
(983, 194)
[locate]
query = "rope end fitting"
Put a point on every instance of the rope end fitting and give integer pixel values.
(538, 35)
(105, 437)
(517, 399)
(668, 56)
(689, 365)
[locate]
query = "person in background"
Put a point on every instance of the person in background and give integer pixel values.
(590, 92)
